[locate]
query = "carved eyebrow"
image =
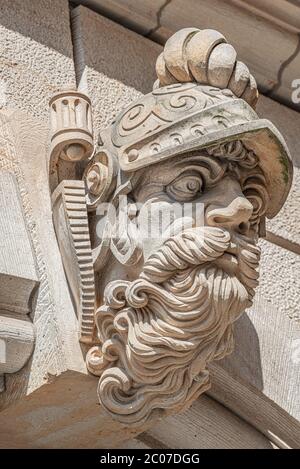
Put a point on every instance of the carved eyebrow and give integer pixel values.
(215, 166)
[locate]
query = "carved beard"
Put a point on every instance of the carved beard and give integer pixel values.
(160, 331)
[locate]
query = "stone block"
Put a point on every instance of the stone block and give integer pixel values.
(17, 264)
(36, 53)
(113, 65)
(279, 282)
(128, 12)
(208, 425)
(24, 154)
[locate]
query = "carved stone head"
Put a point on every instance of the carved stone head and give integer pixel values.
(177, 193)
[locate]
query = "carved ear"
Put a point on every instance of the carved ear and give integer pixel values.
(100, 178)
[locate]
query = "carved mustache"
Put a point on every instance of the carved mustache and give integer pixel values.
(201, 245)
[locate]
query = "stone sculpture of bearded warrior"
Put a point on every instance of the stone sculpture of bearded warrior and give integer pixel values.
(170, 283)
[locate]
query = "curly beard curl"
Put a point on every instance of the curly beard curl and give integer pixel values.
(160, 331)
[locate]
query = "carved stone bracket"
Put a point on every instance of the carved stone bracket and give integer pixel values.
(168, 285)
(71, 226)
(71, 148)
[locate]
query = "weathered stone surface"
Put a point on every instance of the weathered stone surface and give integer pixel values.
(286, 223)
(134, 444)
(261, 379)
(16, 257)
(255, 408)
(287, 120)
(265, 363)
(208, 425)
(18, 277)
(61, 414)
(205, 57)
(113, 65)
(279, 282)
(263, 61)
(57, 347)
(36, 53)
(112, 85)
(143, 22)
(253, 25)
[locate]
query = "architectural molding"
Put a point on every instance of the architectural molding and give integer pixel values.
(18, 280)
(262, 22)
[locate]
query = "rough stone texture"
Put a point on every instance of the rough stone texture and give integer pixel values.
(18, 278)
(15, 248)
(266, 361)
(35, 53)
(260, 380)
(286, 223)
(57, 347)
(142, 22)
(36, 60)
(53, 417)
(208, 425)
(127, 130)
(274, 67)
(134, 444)
(113, 65)
(279, 279)
(62, 414)
(255, 408)
(287, 120)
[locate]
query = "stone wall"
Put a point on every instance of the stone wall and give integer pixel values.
(45, 47)
(36, 60)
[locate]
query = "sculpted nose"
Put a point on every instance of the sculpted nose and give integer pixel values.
(234, 216)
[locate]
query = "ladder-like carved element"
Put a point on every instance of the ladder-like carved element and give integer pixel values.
(71, 226)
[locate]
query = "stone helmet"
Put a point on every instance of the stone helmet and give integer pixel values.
(203, 97)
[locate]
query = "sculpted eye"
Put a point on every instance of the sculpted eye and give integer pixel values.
(185, 187)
